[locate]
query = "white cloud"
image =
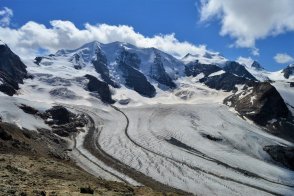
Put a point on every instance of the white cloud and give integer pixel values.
(247, 61)
(255, 51)
(249, 20)
(5, 16)
(27, 39)
(283, 58)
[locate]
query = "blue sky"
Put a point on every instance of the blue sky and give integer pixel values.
(153, 17)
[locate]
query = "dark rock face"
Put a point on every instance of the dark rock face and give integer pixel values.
(60, 115)
(288, 71)
(134, 79)
(195, 68)
(237, 69)
(12, 71)
(62, 93)
(264, 105)
(283, 155)
(77, 67)
(225, 81)
(4, 135)
(256, 65)
(28, 109)
(38, 60)
(101, 88)
(291, 84)
(130, 59)
(261, 104)
(100, 65)
(63, 121)
(157, 72)
(7, 84)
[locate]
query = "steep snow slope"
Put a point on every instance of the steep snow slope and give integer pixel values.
(205, 58)
(57, 81)
(287, 93)
(87, 53)
(263, 75)
(11, 113)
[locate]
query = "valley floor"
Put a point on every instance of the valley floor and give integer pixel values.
(199, 148)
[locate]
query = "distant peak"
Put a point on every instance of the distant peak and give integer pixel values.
(2, 43)
(190, 55)
(256, 65)
(91, 46)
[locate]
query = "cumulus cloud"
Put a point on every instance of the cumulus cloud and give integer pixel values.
(32, 36)
(283, 58)
(5, 16)
(255, 51)
(249, 20)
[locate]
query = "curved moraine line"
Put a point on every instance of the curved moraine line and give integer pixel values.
(92, 144)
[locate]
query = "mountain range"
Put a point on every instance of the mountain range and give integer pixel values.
(223, 101)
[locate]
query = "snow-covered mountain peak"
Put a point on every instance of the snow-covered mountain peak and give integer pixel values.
(91, 47)
(82, 55)
(256, 65)
(206, 57)
(250, 63)
(2, 43)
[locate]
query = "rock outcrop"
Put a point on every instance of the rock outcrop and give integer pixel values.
(281, 154)
(157, 72)
(256, 65)
(263, 104)
(101, 89)
(226, 81)
(288, 71)
(134, 79)
(100, 64)
(238, 69)
(12, 71)
(195, 68)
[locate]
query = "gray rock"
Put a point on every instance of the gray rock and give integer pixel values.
(63, 93)
(12, 71)
(281, 154)
(263, 104)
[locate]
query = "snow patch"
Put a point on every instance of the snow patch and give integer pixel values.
(220, 72)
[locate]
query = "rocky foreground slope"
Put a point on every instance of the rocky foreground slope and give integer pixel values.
(37, 163)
